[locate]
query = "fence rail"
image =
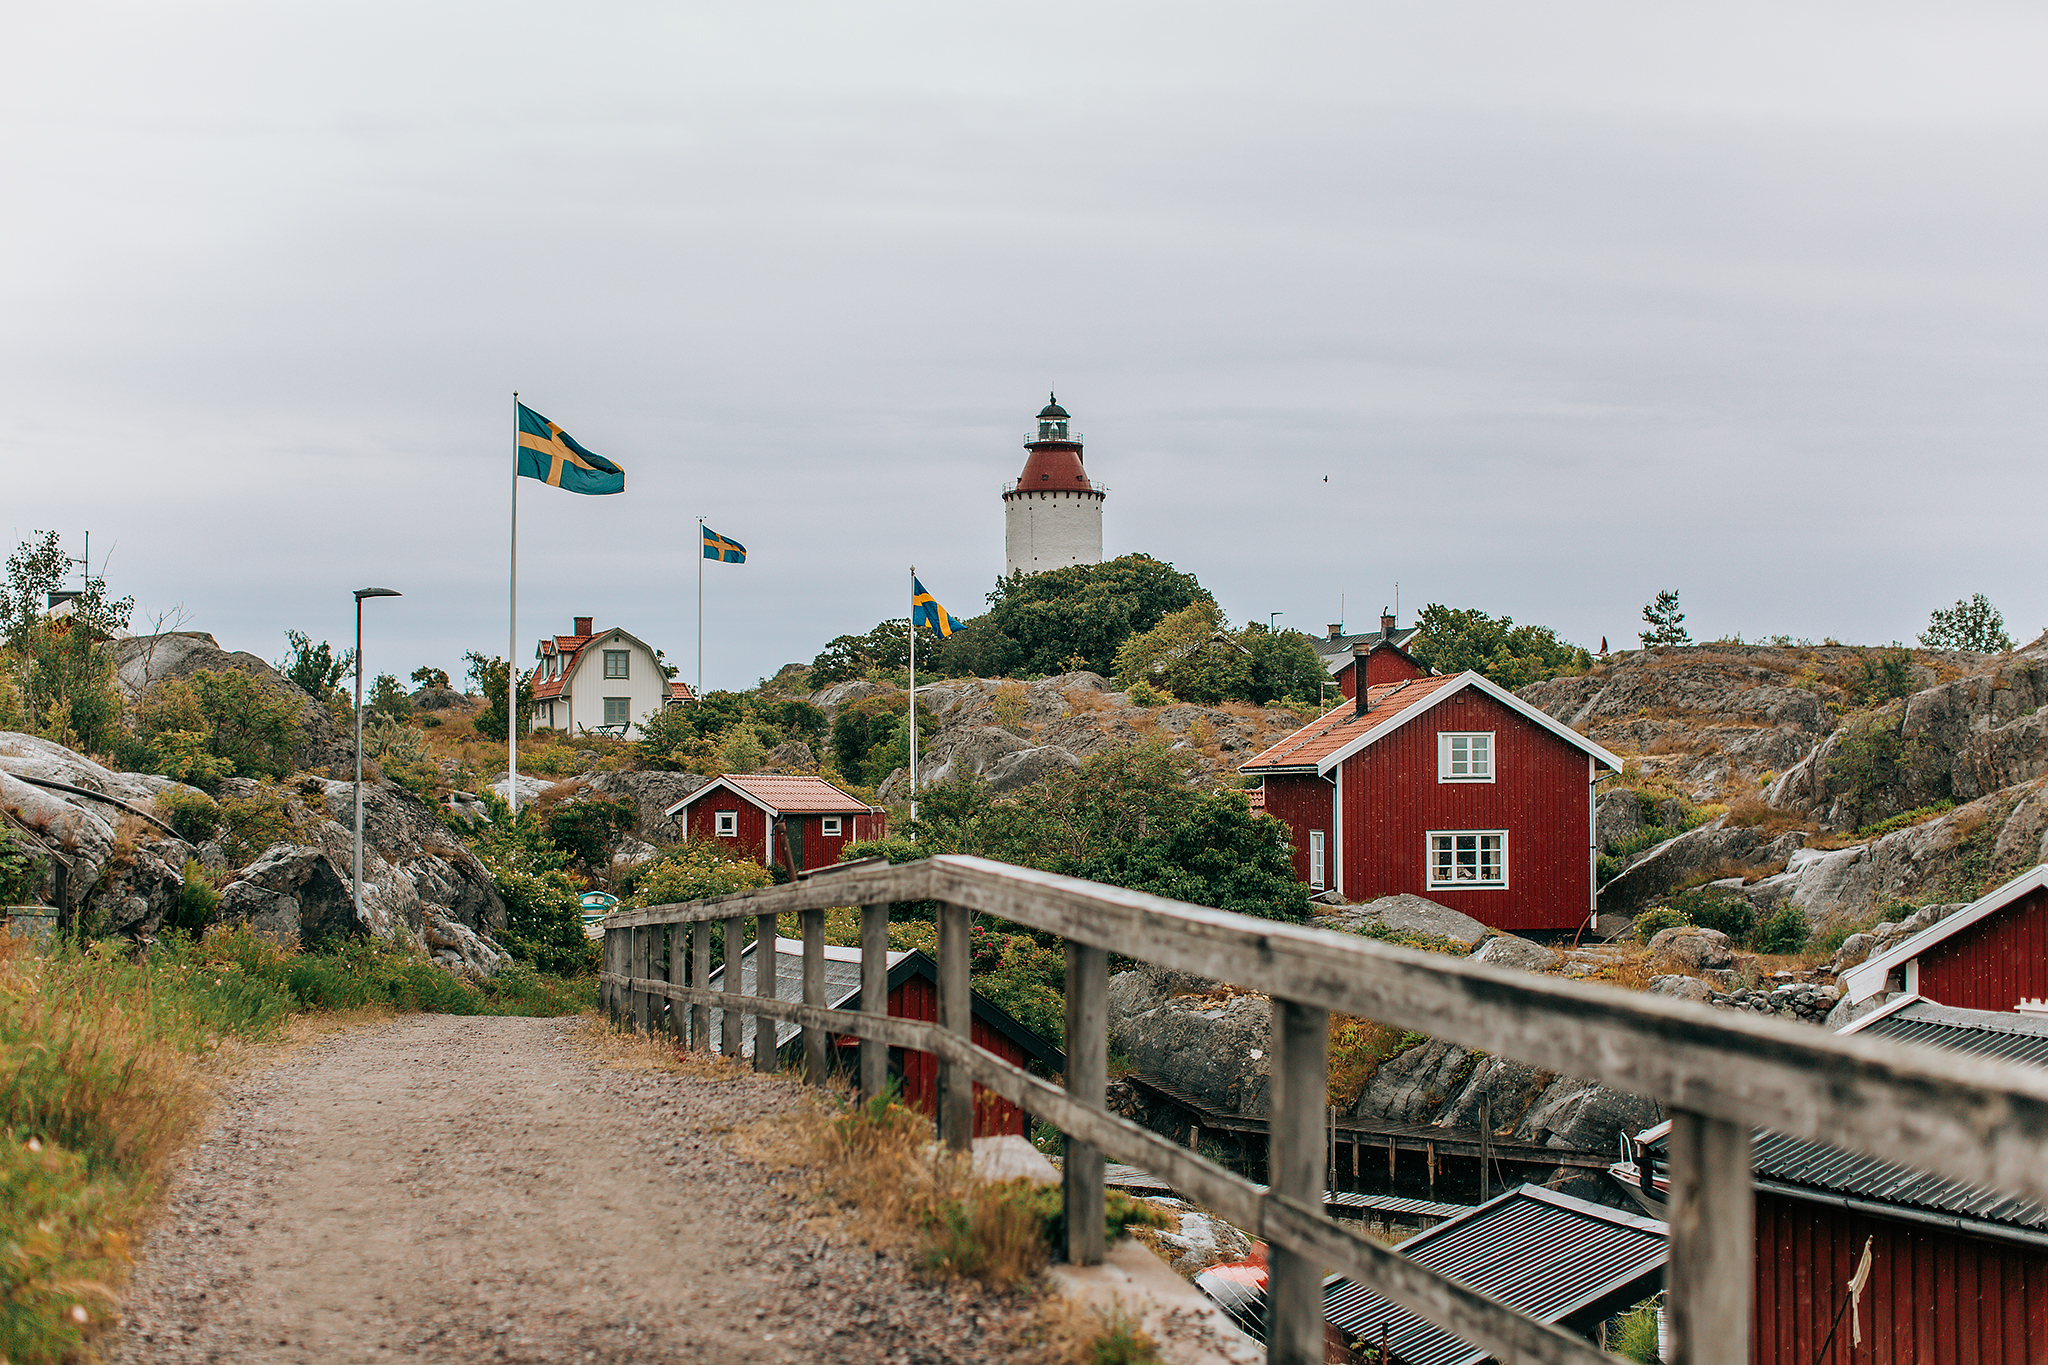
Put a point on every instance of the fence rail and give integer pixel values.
(1720, 1074)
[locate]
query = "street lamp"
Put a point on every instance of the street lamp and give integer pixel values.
(1270, 617)
(361, 593)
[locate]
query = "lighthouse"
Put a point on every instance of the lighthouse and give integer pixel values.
(1052, 515)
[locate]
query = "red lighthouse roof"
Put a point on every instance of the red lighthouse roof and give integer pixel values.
(1054, 465)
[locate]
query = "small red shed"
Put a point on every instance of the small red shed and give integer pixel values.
(913, 994)
(1383, 653)
(1990, 955)
(806, 818)
(1448, 787)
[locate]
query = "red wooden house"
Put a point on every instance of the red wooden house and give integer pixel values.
(779, 819)
(913, 994)
(1447, 787)
(1957, 1273)
(1992, 955)
(1382, 654)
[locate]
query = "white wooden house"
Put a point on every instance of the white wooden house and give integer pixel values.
(598, 682)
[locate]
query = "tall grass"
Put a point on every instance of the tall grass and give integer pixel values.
(104, 1065)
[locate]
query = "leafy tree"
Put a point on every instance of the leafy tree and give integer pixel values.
(871, 737)
(62, 666)
(588, 827)
(1452, 640)
(544, 925)
(1974, 624)
(426, 675)
(1285, 666)
(315, 670)
(1078, 616)
(388, 697)
(1878, 679)
(492, 676)
(213, 725)
(1664, 619)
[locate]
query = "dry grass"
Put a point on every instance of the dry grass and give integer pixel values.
(1358, 1047)
(1069, 1332)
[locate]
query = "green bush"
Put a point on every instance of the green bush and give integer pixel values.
(252, 824)
(1653, 922)
(1730, 915)
(1784, 932)
(192, 814)
(21, 869)
(197, 901)
(1634, 1334)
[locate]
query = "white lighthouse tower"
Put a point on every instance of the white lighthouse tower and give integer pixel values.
(1052, 515)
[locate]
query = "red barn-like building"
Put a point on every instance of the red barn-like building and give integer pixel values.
(1992, 955)
(807, 819)
(1447, 787)
(1383, 657)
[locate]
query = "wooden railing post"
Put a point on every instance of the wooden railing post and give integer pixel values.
(730, 1020)
(1294, 1167)
(814, 994)
(678, 975)
(643, 941)
(1709, 1281)
(700, 975)
(765, 1058)
(611, 959)
(1087, 1076)
(956, 1016)
(874, 996)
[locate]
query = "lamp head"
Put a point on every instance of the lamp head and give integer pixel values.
(361, 593)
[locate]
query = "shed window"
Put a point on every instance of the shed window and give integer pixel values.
(615, 662)
(1468, 858)
(830, 827)
(618, 710)
(1316, 879)
(1464, 757)
(728, 824)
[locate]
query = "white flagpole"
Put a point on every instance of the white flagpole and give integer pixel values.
(913, 694)
(700, 609)
(512, 648)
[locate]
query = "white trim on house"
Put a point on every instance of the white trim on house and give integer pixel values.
(1429, 850)
(1441, 694)
(1480, 752)
(829, 826)
(1317, 850)
(1889, 1007)
(713, 785)
(1867, 978)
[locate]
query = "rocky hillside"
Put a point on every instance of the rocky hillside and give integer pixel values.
(1851, 779)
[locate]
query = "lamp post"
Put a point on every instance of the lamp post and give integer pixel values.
(1271, 617)
(361, 593)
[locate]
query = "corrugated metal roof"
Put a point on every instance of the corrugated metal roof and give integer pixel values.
(842, 983)
(1544, 1254)
(1982, 1033)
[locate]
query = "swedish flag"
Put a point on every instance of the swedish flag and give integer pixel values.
(722, 549)
(926, 611)
(548, 453)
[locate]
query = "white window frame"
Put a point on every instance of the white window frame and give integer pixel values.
(829, 826)
(1448, 744)
(1437, 838)
(1318, 845)
(625, 710)
(625, 658)
(728, 824)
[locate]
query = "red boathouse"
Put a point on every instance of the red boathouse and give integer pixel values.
(1990, 955)
(1447, 787)
(807, 819)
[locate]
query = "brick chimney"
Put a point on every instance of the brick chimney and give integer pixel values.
(583, 625)
(1336, 629)
(1359, 704)
(1387, 626)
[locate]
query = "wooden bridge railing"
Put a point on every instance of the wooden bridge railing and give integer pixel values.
(1720, 1074)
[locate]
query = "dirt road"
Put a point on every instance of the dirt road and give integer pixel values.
(453, 1189)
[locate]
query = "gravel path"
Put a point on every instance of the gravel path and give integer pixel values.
(459, 1189)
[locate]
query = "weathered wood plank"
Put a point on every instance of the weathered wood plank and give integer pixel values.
(814, 993)
(730, 1021)
(1081, 1166)
(700, 972)
(678, 975)
(767, 1057)
(956, 1016)
(642, 946)
(874, 995)
(1294, 1166)
(1710, 1280)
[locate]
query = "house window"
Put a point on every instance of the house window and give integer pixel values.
(728, 824)
(1316, 879)
(615, 662)
(1464, 757)
(831, 827)
(1468, 858)
(618, 710)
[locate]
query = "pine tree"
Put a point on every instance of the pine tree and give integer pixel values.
(1974, 624)
(1665, 621)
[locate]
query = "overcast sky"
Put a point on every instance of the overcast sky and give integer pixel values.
(1568, 302)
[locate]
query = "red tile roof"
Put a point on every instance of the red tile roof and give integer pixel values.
(1320, 738)
(783, 794)
(569, 646)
